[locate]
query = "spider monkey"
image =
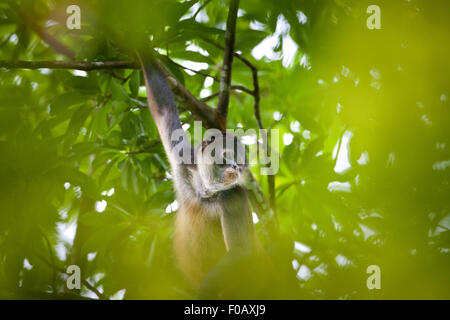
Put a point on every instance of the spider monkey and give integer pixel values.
(214, 235)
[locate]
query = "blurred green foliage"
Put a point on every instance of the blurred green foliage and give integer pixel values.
(364, 168)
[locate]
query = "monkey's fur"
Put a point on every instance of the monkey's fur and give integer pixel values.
(214, 234)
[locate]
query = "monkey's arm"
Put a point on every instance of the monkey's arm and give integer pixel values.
(165, 113)
(162, 105)
(236, 220)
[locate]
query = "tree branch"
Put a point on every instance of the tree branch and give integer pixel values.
(225, 81)
(257, 111)
(200, 110)
(256, 93)
(85, 66)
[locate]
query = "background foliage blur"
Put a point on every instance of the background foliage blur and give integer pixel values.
(363, 116)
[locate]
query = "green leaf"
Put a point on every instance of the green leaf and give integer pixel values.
(107, 170)
(134, 83)
(83, 149)
(129, 126)
(100, 120)
(65, 101)
(66, 173)
(75, 125)
(191, 56)
(114, 140)
(191, 29)
(84, 85)
(117, 91)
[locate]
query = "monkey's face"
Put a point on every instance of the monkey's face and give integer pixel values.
(221, 160)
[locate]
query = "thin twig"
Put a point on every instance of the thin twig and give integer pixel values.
(122, 79)
(234, 88)
(206, 75)
(201, 8)
(257, 111)
(210, 97)
(241, 88)
(256, 93)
